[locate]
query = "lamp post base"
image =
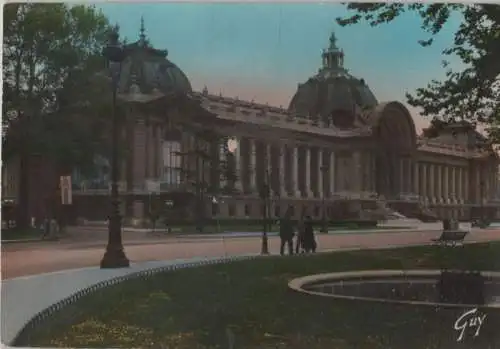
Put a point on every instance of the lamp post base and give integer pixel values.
(114, 259)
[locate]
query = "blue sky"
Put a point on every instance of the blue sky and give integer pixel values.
(261, 51)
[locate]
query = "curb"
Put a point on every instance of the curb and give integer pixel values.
(23, 336)
(20, 241)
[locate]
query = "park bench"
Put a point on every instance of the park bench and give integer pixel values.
(451, 238)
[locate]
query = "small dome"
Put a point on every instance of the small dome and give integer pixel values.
(332, 95)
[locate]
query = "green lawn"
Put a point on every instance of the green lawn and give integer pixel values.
(193, 308)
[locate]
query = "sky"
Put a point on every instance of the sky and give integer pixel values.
(261, 51)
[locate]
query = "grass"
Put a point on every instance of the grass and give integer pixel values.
(194, 308)
(21, 234)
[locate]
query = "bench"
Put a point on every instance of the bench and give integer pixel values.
(451, 238)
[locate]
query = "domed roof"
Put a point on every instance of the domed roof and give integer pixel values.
(147, 70)
(333, 94)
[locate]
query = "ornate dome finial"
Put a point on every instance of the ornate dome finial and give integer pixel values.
(142, 33)
(333, 41)
(333, 57)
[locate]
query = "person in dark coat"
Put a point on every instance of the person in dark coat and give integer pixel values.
(309, 241)
(286, 233)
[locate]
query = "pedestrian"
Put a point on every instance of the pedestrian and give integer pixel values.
(286, 232)
(299, 246)
(309, 239)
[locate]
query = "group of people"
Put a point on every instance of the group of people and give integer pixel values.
(305, 241)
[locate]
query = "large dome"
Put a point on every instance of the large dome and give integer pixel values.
(148, 70)
(333, 95)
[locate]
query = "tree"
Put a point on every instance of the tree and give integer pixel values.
(471, 94)
(49, 51)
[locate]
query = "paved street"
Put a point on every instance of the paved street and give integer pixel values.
(34, 258)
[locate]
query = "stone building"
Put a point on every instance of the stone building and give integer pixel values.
(335, 151)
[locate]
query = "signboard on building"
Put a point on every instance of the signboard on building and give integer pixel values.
(66, 192)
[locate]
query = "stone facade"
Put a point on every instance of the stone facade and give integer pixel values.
(335, 149)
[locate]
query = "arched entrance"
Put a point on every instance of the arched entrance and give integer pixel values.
(395, 134)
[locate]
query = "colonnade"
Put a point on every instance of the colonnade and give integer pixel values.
(290, 170)
(299, 170)
(305, 171)
(439, 183)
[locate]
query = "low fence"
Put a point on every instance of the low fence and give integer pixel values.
(23, 337)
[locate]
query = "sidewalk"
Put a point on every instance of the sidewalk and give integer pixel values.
(25, 296)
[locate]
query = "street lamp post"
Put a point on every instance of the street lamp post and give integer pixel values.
(324, 223)
(114, 257)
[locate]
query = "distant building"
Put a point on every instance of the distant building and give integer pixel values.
(336, 145)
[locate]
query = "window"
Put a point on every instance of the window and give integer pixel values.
(172, 163)
(247, 210)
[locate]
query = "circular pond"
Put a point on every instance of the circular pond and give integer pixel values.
(419, 287)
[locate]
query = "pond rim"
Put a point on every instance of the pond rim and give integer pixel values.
(298, 285)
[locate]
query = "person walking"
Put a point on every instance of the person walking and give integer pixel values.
(286, 233)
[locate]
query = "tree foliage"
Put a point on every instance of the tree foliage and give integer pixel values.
(49, 53)
(472, 93)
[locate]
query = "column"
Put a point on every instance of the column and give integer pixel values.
(416, 177)
(268, 168)
(253, 165)
(439, 191)
(432, 183)
(295, 171)
(466, 195)
(151, 152)
(320, 172)
(401, 176)
(453, 190)
(139, 154)
(222, 159)
(407, 173)
(478, 189)
(460, 180)
(159, 153)
(237, 164)
(283, 191)
(446, 192)
(355, 172)
(425, 183)
(308, 172)
(332, 173)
